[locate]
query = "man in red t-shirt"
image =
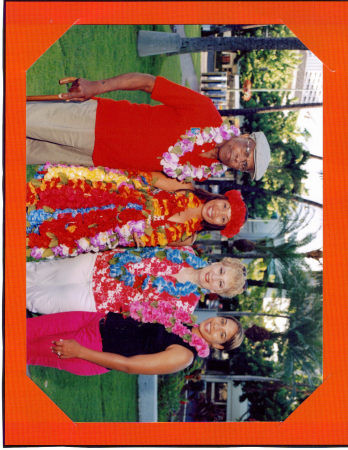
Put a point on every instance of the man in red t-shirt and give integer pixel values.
(123, 135)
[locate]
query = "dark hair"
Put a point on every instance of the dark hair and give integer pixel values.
(235, 340)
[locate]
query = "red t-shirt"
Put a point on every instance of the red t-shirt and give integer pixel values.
(135, 136)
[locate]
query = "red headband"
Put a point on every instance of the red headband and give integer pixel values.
(238, 213)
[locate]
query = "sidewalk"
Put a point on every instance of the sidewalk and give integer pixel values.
(147, 398)
(187, 69)
(147, 384)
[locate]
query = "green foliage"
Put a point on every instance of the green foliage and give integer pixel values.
(268, 68)
(272, 400)
(285, 177)
(294, 354)
(265, 403)
(111, 397)
(170, 392)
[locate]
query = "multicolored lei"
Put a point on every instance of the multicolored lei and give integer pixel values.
(190, 142)
(73, 210)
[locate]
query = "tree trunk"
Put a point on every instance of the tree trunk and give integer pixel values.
(315, 157)
(302, 200)
(268, 284)
(246, 189)
(250, 255)
(267, 109)
(314, 254)
(209, 242)
(250, 313)
(192, 45)
(217, 378)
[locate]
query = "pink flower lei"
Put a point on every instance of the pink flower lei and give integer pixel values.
(173, 319)
(187, 172)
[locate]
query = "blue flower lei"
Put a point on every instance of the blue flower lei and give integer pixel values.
(177, 289)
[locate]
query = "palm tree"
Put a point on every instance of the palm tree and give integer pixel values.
(267, 109)
(300, 345)
(282, 251)
(191, 45)
(315, 156)
(279, 193)
(248, 190)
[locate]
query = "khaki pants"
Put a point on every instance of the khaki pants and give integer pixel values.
(61, 132)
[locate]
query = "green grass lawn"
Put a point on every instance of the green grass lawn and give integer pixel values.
(111, 397)
(95, 52)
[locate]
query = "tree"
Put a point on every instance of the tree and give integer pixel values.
(282, 251)
(298, 349)
(265, 401)
(301, 343)
(191, 45)
(267, 109)
(315, 156)
(279, 193)
(252, 314)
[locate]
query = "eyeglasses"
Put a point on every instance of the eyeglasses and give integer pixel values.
(244, 164)
(248, 147)
(249, 141)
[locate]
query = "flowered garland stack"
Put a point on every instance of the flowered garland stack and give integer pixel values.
(141, 283)
(181, 160)
(176, 320)
(73, 210)
(119, 270)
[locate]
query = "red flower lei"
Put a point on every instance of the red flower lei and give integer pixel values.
(196, 159)
(66, 229)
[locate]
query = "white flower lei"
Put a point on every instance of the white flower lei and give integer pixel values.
(187, 172)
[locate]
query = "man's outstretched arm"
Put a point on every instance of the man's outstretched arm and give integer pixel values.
(83, 89)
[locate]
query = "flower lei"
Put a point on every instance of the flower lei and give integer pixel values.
(106, 207)
(160, 311)
(174, 320)
(172, 160)
(119, 270)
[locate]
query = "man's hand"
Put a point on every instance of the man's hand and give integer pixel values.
(67, 348)
(81, 90)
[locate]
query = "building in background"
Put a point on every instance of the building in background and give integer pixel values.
(308, 79)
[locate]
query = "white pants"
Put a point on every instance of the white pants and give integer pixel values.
(61, 285)
(61, 132)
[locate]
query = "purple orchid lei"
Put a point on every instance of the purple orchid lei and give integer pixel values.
(187, 172)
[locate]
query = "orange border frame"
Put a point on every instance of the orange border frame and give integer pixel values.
(31, 418)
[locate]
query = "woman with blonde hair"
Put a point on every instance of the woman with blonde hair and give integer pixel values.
(114, 279)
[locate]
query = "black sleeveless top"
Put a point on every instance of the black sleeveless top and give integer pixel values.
(128, 337)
